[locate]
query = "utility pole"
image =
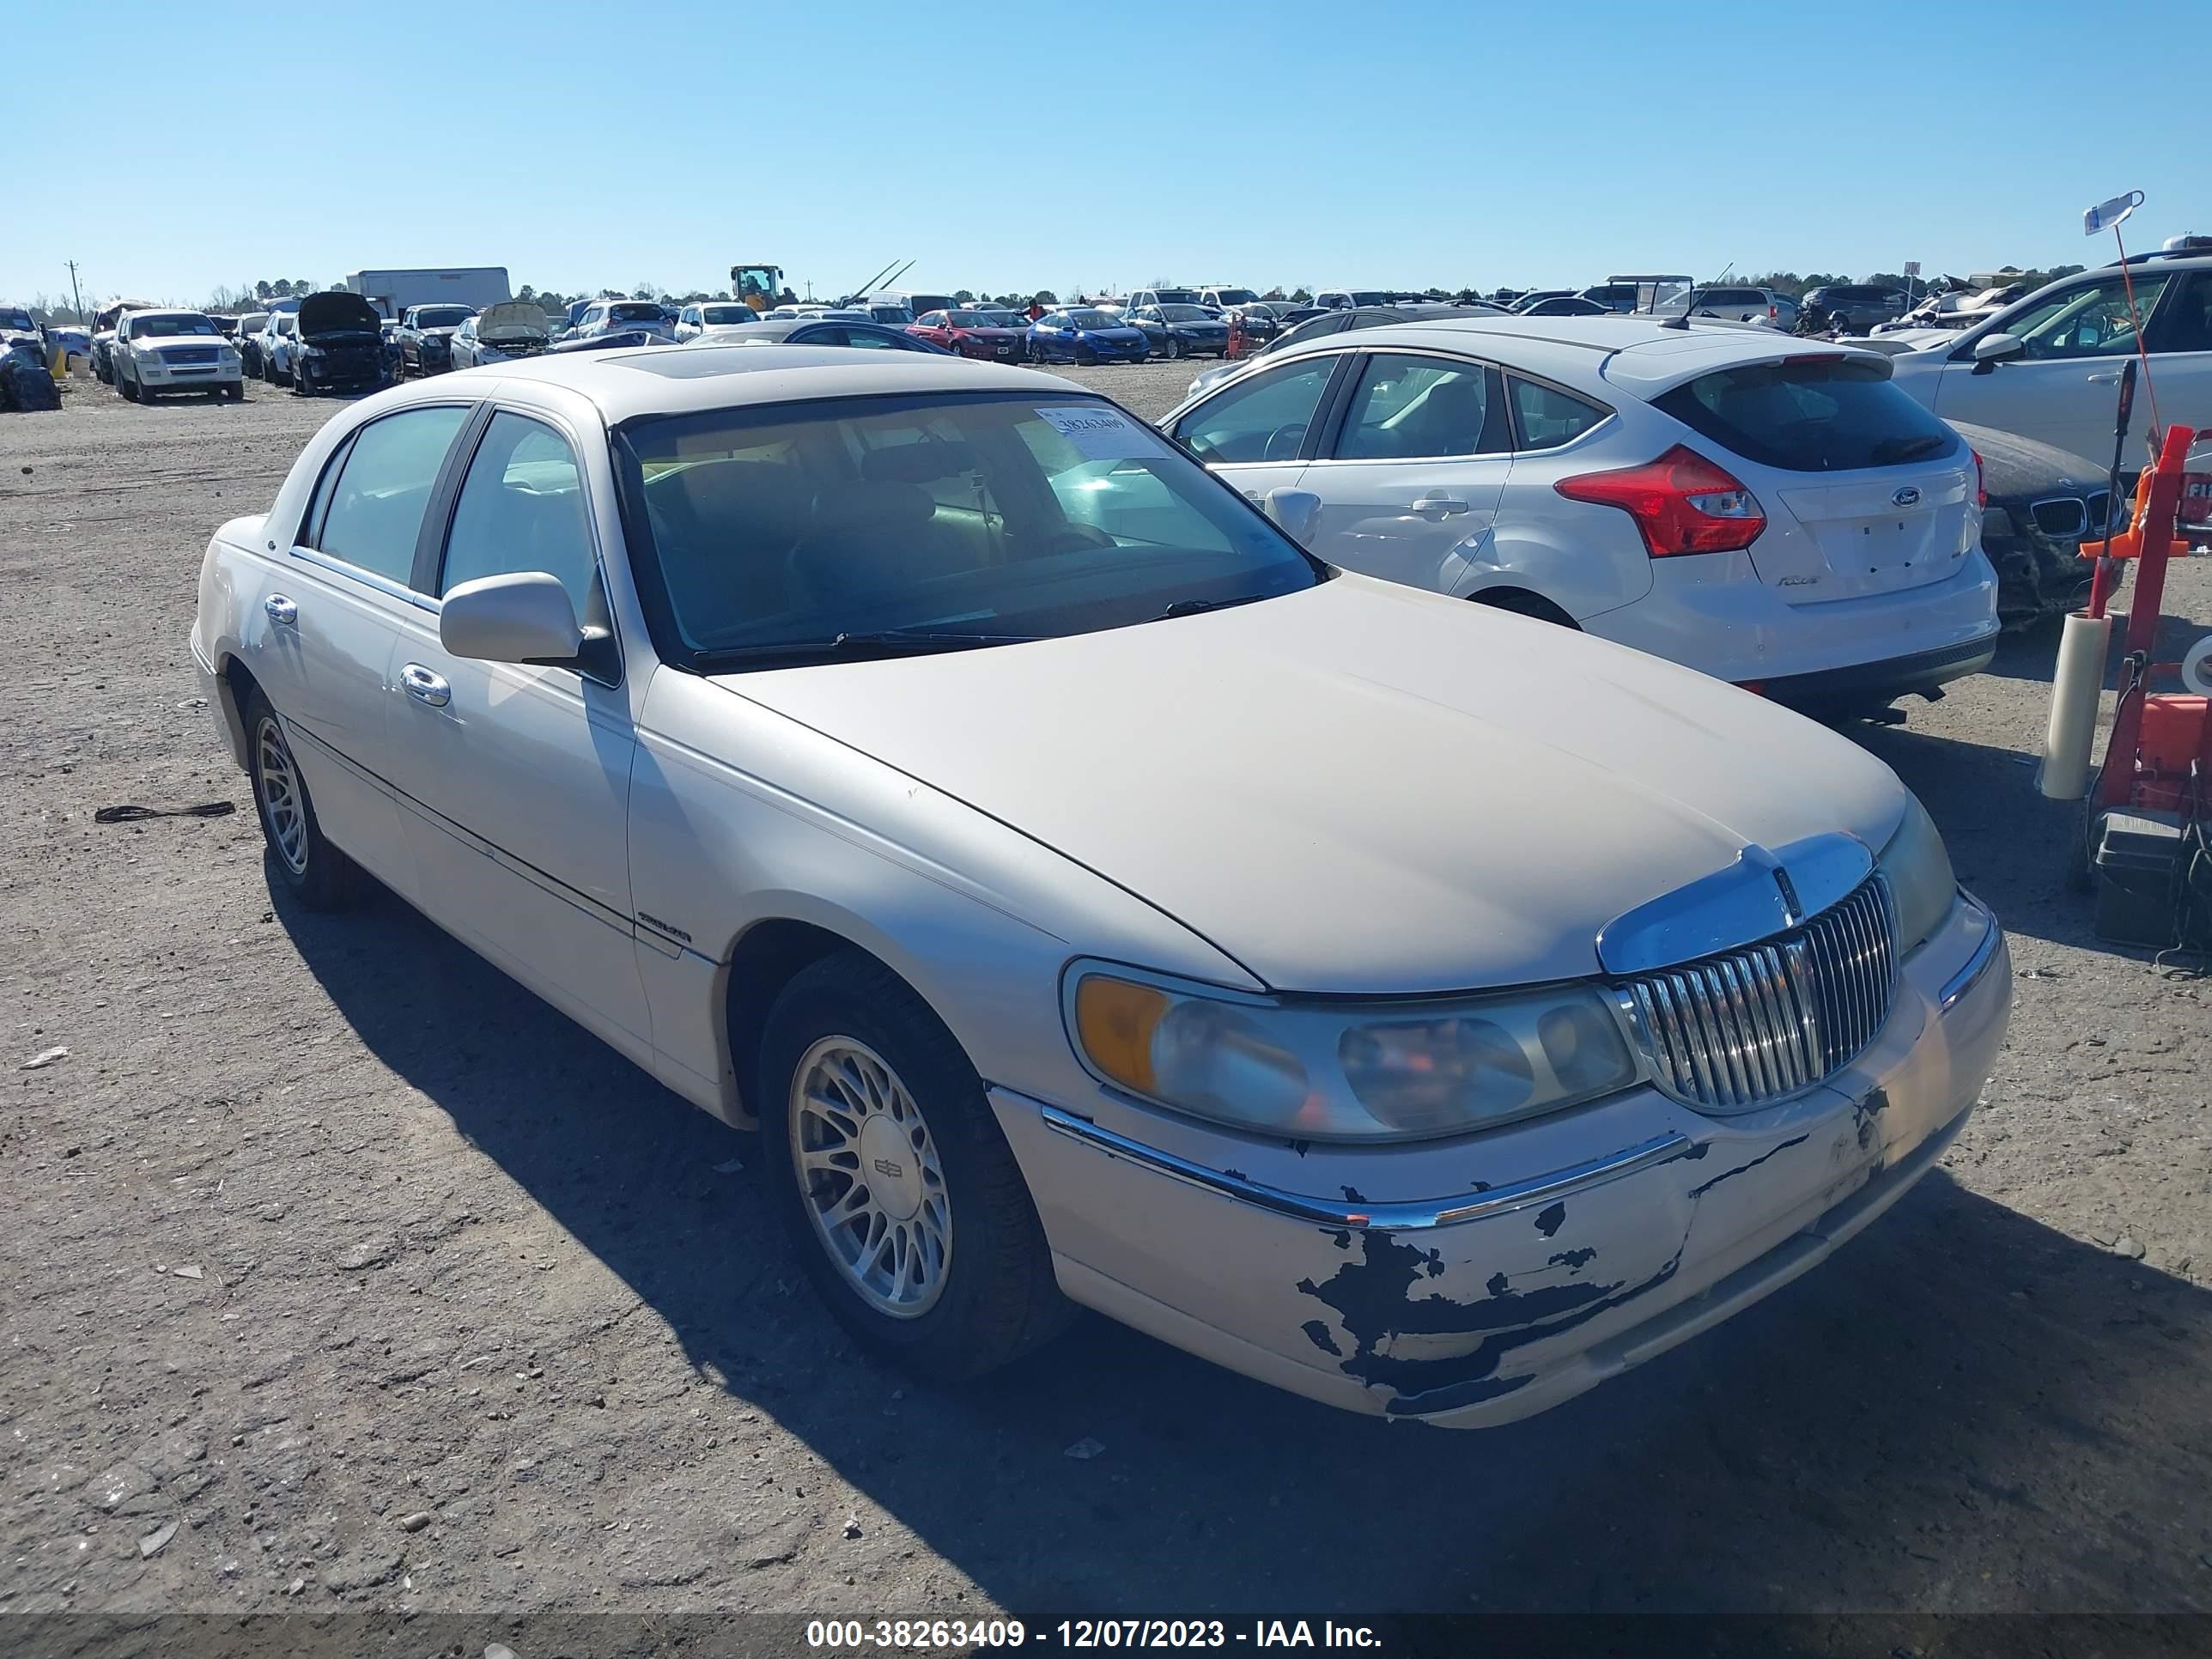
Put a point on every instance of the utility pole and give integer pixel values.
(75, 296)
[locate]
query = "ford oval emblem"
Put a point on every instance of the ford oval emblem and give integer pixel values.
(1907, 496)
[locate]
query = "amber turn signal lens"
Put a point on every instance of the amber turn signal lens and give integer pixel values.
(1115, 1021)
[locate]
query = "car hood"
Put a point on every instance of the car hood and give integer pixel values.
(337, 312)
(1360, 789)
(2013, 466)
(179, 339)
(512, 319)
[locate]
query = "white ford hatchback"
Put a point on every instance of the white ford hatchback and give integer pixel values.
(1772, 511)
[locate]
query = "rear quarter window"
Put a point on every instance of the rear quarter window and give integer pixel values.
(1810, 415)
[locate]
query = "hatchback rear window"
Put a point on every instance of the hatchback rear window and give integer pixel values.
(1810, 415)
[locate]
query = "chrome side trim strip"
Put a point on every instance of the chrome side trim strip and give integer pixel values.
(1415, 1215)
(1978, 964)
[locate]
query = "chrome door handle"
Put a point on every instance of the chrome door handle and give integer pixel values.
(1438, 505)
(2103, 379)
(420, 683)
(281, 610)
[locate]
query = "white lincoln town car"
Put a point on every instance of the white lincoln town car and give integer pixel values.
(1092, 897)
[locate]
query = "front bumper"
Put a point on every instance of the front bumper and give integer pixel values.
(1573, 1248)
(179, 377)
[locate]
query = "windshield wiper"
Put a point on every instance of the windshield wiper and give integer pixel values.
(1193, 607)
(887, 641)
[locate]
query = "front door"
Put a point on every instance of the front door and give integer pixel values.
(1254, 432)
(514, 778)
(2063, 387)
(1409, 484)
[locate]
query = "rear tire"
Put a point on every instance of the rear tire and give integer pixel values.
(964, 1282)
(314, 871)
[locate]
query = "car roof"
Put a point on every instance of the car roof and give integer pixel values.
(1634, 353)
(624, 385)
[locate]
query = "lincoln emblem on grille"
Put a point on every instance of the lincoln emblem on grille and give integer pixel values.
(1790, 908)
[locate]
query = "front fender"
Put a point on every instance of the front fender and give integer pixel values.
(740, 815)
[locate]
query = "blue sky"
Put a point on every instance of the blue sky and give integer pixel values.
(1104, 147)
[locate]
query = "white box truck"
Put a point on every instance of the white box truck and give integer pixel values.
(392, 291)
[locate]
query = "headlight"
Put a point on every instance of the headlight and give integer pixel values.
(1918, 871)
(1371, 1071)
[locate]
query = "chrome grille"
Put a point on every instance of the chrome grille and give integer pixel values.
(1765, 1021)
(2061, 517)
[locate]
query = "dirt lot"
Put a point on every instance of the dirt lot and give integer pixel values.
(344, 1272)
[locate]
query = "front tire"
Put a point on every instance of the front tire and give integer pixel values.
(127, 387)
(892, 1178)
(1174, 348)
(314, 871)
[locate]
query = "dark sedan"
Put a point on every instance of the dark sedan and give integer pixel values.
(819, 331)
(1180, 331)
(426, 336)
(2043, 503)
(1084, 336)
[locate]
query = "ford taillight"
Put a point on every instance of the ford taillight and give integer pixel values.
(1681, 503)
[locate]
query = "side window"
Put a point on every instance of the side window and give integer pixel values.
(1264, 418)
(2091, 320)
(868, 339)
(375, 512)
(522, 508)
(828, 334)
(1408, 407)
(321, 504)
(1549, 418)
(2185, 324)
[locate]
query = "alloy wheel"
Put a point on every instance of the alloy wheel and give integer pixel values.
(277, 781)
(869, 1177)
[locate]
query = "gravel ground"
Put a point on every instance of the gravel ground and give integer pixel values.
(346, 1274)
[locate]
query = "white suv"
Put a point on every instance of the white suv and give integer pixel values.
(1770, 511)
(159, 352)
(2048, 366)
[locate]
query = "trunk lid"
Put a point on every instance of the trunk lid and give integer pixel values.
(1865, 492)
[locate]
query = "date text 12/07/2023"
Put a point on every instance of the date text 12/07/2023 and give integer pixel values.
(837, 1636)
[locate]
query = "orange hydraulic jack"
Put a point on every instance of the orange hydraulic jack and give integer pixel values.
(2149, 811)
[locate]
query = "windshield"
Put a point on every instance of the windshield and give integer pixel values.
(442, 316)
(10, 318)
(1186, 314)
(1235, 296)
(716, 316)
(1003, 319)
(780, 528)
(635, 311)
(1095, 319)
(173, 322)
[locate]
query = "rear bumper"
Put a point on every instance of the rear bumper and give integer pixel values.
(1892, 677)
(1712, 613)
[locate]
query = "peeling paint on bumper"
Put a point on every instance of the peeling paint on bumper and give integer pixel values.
(1523, 1305)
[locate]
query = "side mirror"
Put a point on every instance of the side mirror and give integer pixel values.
(522, 617)
(1297, 512)
(1994, 348)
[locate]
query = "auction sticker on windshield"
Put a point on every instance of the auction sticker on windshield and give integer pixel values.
(1101, 433)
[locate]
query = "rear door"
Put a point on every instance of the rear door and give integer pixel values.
(330, 614)
(1410, 476)
(1256, 432)
(1864, 491)
(2063, 387)
(2181, 352)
